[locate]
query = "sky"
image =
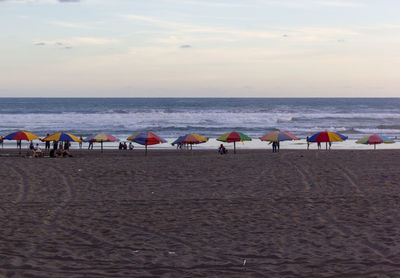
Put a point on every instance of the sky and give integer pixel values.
(199, 48)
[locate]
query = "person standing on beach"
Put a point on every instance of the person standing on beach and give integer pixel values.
(80, 143)
(319, 145)
(47, 144)
(90, 147)
(274, 147)
(308, 143)
(55, 143)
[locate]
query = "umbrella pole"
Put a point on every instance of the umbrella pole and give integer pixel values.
(326, 145)
(20, 146)
(374, 146)
(101, 146)
(145, 151)
(234, 147)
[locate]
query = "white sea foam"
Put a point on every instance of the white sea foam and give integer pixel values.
(209, 117)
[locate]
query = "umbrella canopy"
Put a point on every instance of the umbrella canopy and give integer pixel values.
(327, 136)
(277, 136)
(101, 137)
(146, 138)
(234, 137)
(61, 136)
(374, 139)
(21, 135)
(190, 139)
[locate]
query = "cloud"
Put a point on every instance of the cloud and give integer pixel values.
(43, 1)
(72, 25)
(210, 4)
(182, 32)
(77, 41)
(342, 4)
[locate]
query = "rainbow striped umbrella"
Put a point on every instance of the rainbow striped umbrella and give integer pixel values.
(327, 136)
(374, 139)
(146, 138)
(21, 135)
(190, 139)
(101, 137)
(62, 136)
(277, 136)
(234, 137)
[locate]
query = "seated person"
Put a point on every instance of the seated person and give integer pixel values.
(37, 151)
(222, 150)
(61, 152)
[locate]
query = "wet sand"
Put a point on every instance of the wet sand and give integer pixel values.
(182, 214)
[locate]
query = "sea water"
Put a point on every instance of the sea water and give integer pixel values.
(210, 117)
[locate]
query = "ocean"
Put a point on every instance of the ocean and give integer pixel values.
(210, 117)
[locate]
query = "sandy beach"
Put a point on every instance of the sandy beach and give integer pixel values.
(197, 214)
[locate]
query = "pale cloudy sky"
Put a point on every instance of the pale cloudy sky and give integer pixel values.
(200, 48)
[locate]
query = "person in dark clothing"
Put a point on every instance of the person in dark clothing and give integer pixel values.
(47, 144)
(273, 147)
(67, 144)
(222, 149)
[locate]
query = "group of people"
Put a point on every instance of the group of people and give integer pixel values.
(59, 149)
(275, 146)
(124, 146)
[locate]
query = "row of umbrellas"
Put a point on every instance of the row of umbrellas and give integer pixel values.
(148, 138)
(143, 138)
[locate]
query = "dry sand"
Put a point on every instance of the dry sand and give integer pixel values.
(182, 214)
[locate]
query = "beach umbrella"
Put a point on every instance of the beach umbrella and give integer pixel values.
(21, 135)
(277, 136)
(146, 138)
(101, 137)
(374, 139)
(62, 136)
(327, 136)
(190, 139)
(234, 137)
